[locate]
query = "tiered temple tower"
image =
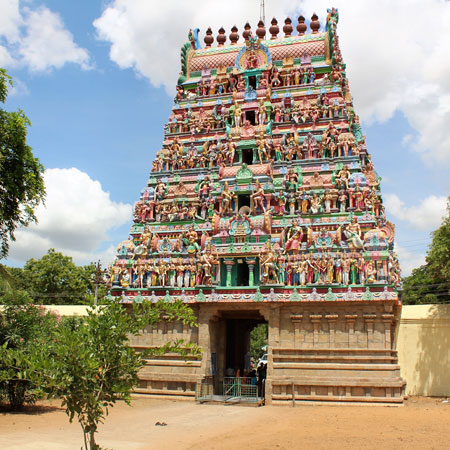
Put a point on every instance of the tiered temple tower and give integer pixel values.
(263, 205)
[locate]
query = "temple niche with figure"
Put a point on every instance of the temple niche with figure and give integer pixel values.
(263, 205)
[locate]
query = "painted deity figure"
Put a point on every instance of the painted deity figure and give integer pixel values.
(262, 149)
(227, 198)
(345, 270)
(258, 198)
(330, 269)
(344, 176)
(293, 238)
(191, 240)
(204, 188)
(304, 202)
(327, 198)
(361, 268)
(338, 268)
(237, 114)
(342, 201)
(291, 181)
(231, 150)
(371, 272)
(353, 233)
(116, 272)
(160, 191)
(316, 204)
(275, 77)
(269, 266)
(262, 116)
(302, 269)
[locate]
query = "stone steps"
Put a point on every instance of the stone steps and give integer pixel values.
(341, 382)
(165, 392)
(334, 366)
(304, 358)
(338, 400)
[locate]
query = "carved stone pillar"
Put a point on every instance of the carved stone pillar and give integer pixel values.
(388, 320)
(159, 332)
(170, 327)
(251, 270)
(204, 340)
(369, 319)
(273, 341)
(351, 319)
(297, 320)
(332, 319)
(229, 263)
(316, 320)
(274, 325)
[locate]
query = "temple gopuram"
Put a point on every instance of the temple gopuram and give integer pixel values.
(263, 206)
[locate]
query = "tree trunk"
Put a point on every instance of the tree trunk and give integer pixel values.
(92, 443)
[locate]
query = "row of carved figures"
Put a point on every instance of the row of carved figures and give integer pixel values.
(291, 203)
(219, 153)
(175, 272)
(325, 268)
(275, 268)
(301, 112)
(293, 199)
(274, 78)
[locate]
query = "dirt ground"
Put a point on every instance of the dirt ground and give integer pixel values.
(422, 423)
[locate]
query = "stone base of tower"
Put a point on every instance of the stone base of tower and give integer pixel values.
(335, 375)
(341, 352)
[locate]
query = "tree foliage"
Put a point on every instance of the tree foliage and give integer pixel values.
(258, 339)
(89, 364)
(55, 279)
(430, 283)
(92, 367)
(24, 329)
(21, 174)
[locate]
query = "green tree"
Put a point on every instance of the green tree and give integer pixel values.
(24, 329)
(430, 283)
(55, 279)
(91, 365)
(21, 174)
(258, 339)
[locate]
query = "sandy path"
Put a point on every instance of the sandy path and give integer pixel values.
(421, 424)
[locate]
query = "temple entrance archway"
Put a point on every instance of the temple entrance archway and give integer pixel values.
(233, 341)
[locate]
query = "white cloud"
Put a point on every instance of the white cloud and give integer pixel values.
(396, 52)
(37, 39)
(407, 139)
(48, 44)
(6, 59)
(19, 88)
(10, 19)
(409, 260)
(149, 39)
(426, 215)
(75, 220)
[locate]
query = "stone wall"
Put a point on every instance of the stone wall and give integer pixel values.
(423, 349)
(339, 352)
(306, 339)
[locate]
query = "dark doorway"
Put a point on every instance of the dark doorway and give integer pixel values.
(243, 200)
(251, 117)
(238, 328)
(242, 273)
(247, 156)
(252, 82)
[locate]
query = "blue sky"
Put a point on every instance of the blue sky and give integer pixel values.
(97, 81)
